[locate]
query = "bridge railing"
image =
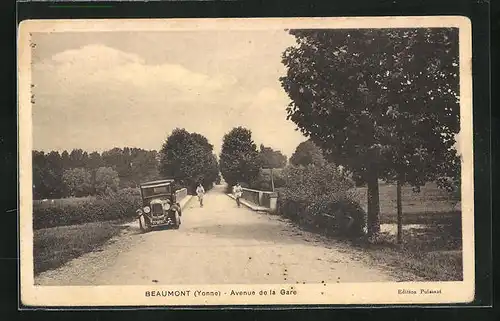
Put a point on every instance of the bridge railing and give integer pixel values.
(261, 198)
(181, 194)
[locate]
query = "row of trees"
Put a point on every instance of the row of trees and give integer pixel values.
(384, 103)
(187, 157)
(57, 175)
(240, 161)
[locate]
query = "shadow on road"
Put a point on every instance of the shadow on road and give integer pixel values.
(258, 231)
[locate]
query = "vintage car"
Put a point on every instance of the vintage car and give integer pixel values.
(160, 207)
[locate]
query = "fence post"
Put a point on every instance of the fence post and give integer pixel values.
(273, 202)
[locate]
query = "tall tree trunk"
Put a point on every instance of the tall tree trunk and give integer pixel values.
(373, 220)
(400, 211)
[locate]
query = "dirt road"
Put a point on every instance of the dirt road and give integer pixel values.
(218, 244)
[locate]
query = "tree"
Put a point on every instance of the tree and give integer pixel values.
(239, 158)
(144, 166)
(381, 102)
(95, 161)
(134, 165)
(66, 162)
(106, 179)
(307, 153)
(271, 158)
(54, 171)
(188, 158)
(39, 166)
(78, 181)
(78, 159)
(47, 175)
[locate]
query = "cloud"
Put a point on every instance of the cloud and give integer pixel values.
(95, 57)
(100, 65)
(97, 97)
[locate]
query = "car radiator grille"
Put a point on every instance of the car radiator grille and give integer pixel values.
(157, 210)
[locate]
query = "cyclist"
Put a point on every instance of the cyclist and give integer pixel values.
(200, 191)
(237, 191)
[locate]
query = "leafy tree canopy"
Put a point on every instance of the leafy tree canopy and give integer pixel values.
(382, 102)
(239, 158)
(271, 158)
(189, 159)
(77, 182)
(307, 153)
(106, 180)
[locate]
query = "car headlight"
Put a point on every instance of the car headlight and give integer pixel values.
(167, 206)
(147, 209)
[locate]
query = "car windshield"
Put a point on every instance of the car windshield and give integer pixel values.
(159, 190)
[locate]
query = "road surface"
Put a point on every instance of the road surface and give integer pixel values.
(219, 244)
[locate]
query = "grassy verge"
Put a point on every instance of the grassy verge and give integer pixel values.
(57, 245)
(430, 251)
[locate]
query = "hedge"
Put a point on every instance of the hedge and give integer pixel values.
(321, 197)
(119, 205)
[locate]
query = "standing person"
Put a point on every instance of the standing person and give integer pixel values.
(237, 191)
(200, 191)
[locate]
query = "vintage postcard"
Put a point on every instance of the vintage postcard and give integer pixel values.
(269, 161)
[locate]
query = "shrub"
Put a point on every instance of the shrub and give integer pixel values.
(77, 181)
(337, 214)
(106, 179)
(321, 197)
(117, 205)
(263, 181)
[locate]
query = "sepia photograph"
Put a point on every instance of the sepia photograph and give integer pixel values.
(194, 162)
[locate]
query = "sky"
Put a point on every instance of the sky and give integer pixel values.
(99, 90)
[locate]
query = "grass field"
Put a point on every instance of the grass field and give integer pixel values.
(432, 233)
(416, 206)
(57, 245)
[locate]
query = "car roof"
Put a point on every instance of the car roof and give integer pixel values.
(157, 183)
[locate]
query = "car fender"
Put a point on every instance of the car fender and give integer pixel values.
(176, 208)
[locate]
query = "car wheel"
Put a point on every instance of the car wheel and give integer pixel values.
(177, 220)
(143, 224)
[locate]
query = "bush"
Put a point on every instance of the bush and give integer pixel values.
(106, 178)
(263, 181)
(321, 197)
(117, 205)
(344, 216)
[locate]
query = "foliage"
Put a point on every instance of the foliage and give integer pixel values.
(133, 166)
(382, 102)
(106, 180)
(263, 180)
(47, 175)
(189, 159)
(308, 182)
(119, 205)
(307, 153)
(77, 182)
(239, 158)
(313, 191)
(270, 158)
